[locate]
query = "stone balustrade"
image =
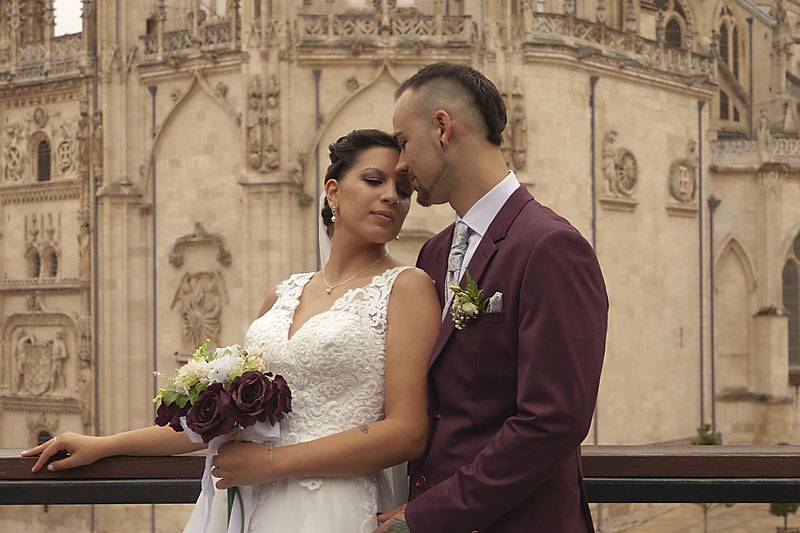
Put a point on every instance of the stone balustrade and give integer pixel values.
(61, 57)
(394, 29)
(550, 28)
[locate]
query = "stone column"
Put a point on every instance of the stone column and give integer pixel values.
(771, 324)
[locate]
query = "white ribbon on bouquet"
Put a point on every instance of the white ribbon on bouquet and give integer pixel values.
(260, 432)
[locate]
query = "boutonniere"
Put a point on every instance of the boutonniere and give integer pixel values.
(467, 303)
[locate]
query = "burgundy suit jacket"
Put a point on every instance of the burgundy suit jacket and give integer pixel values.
(513, 393)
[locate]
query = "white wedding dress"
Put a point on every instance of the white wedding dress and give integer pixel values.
(334, 365)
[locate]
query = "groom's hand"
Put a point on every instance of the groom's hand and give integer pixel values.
(393, 521)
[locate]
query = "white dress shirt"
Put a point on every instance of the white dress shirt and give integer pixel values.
(481, 215)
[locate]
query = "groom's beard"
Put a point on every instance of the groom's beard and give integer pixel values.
(423, 197)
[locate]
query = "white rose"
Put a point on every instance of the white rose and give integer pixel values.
(222, 367)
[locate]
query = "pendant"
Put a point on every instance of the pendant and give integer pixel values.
(328, 290)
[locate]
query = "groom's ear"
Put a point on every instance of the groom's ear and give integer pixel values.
(444, 127)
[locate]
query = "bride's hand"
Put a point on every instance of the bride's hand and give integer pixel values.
(81, 450)
(242, 463)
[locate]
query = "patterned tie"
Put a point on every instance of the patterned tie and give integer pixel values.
(458, 250)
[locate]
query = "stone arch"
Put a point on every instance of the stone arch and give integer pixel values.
(33, 262)
(49, 262)
(37, 150)
(733, 293)
(788, 242)
(384, 71)
(732, 246)
(197, 84)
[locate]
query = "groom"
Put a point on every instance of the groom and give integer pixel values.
(513, 391)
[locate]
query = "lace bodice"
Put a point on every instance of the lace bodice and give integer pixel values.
(334, 363)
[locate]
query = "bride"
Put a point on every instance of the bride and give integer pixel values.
(353, 342)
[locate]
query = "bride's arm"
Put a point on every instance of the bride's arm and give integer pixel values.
(414, 321)
(86, 449)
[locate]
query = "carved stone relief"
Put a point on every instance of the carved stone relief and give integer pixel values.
(263, 126)
(199, 299)
(85, 380)
(97, 144)
(515, 142)
(14, 152)
(40, 366)
(621, 175)
(200, 235)
(84, 245)
(683, 178)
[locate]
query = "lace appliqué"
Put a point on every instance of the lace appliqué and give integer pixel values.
(334, 363)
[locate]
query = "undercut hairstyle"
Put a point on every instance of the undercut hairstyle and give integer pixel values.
(483, 95)
(343, 154)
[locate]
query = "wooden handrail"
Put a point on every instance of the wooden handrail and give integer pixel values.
(612, 474)
(598, 462)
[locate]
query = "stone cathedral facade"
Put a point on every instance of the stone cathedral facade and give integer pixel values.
(160, 173)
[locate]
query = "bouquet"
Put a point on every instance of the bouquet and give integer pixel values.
(221, 395)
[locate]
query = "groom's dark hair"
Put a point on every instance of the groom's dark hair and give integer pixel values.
(448, 78)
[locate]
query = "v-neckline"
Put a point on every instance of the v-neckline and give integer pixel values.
(291, 335)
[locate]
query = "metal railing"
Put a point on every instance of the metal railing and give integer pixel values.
(612, 474)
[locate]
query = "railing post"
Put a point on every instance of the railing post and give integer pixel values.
(234, 17)
(162, 18)
(438, 20)
(15, 23)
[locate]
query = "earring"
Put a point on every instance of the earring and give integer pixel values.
(397, 237)
(333, 216)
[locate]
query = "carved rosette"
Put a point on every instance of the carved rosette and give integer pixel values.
(199, 299)
(683, 178)
(621, 175)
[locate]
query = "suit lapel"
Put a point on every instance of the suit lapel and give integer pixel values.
(480, 259)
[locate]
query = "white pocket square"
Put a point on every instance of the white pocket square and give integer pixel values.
(495, 304)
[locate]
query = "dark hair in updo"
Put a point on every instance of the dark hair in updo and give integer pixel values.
(343, 154)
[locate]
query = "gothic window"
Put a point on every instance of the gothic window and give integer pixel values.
(43, 153)
(791, 302)
(43, 437)
(673, 33)
(150, 26)
(34, 263)
(723, 43)
(52, 263)
(729, 41)
(724, 105)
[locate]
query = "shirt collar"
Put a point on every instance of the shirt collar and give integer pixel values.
(481, 215)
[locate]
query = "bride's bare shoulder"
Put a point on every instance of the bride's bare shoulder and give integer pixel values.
(414, 287)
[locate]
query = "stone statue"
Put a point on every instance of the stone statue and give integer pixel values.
(24, 343)
(59, 359)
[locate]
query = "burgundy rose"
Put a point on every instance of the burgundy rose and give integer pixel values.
(170, 415)
(282, 399)
(211, 415)
(251, 396)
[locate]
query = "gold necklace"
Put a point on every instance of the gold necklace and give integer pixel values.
(351, 278)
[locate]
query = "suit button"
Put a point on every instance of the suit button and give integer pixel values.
(421, 482)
